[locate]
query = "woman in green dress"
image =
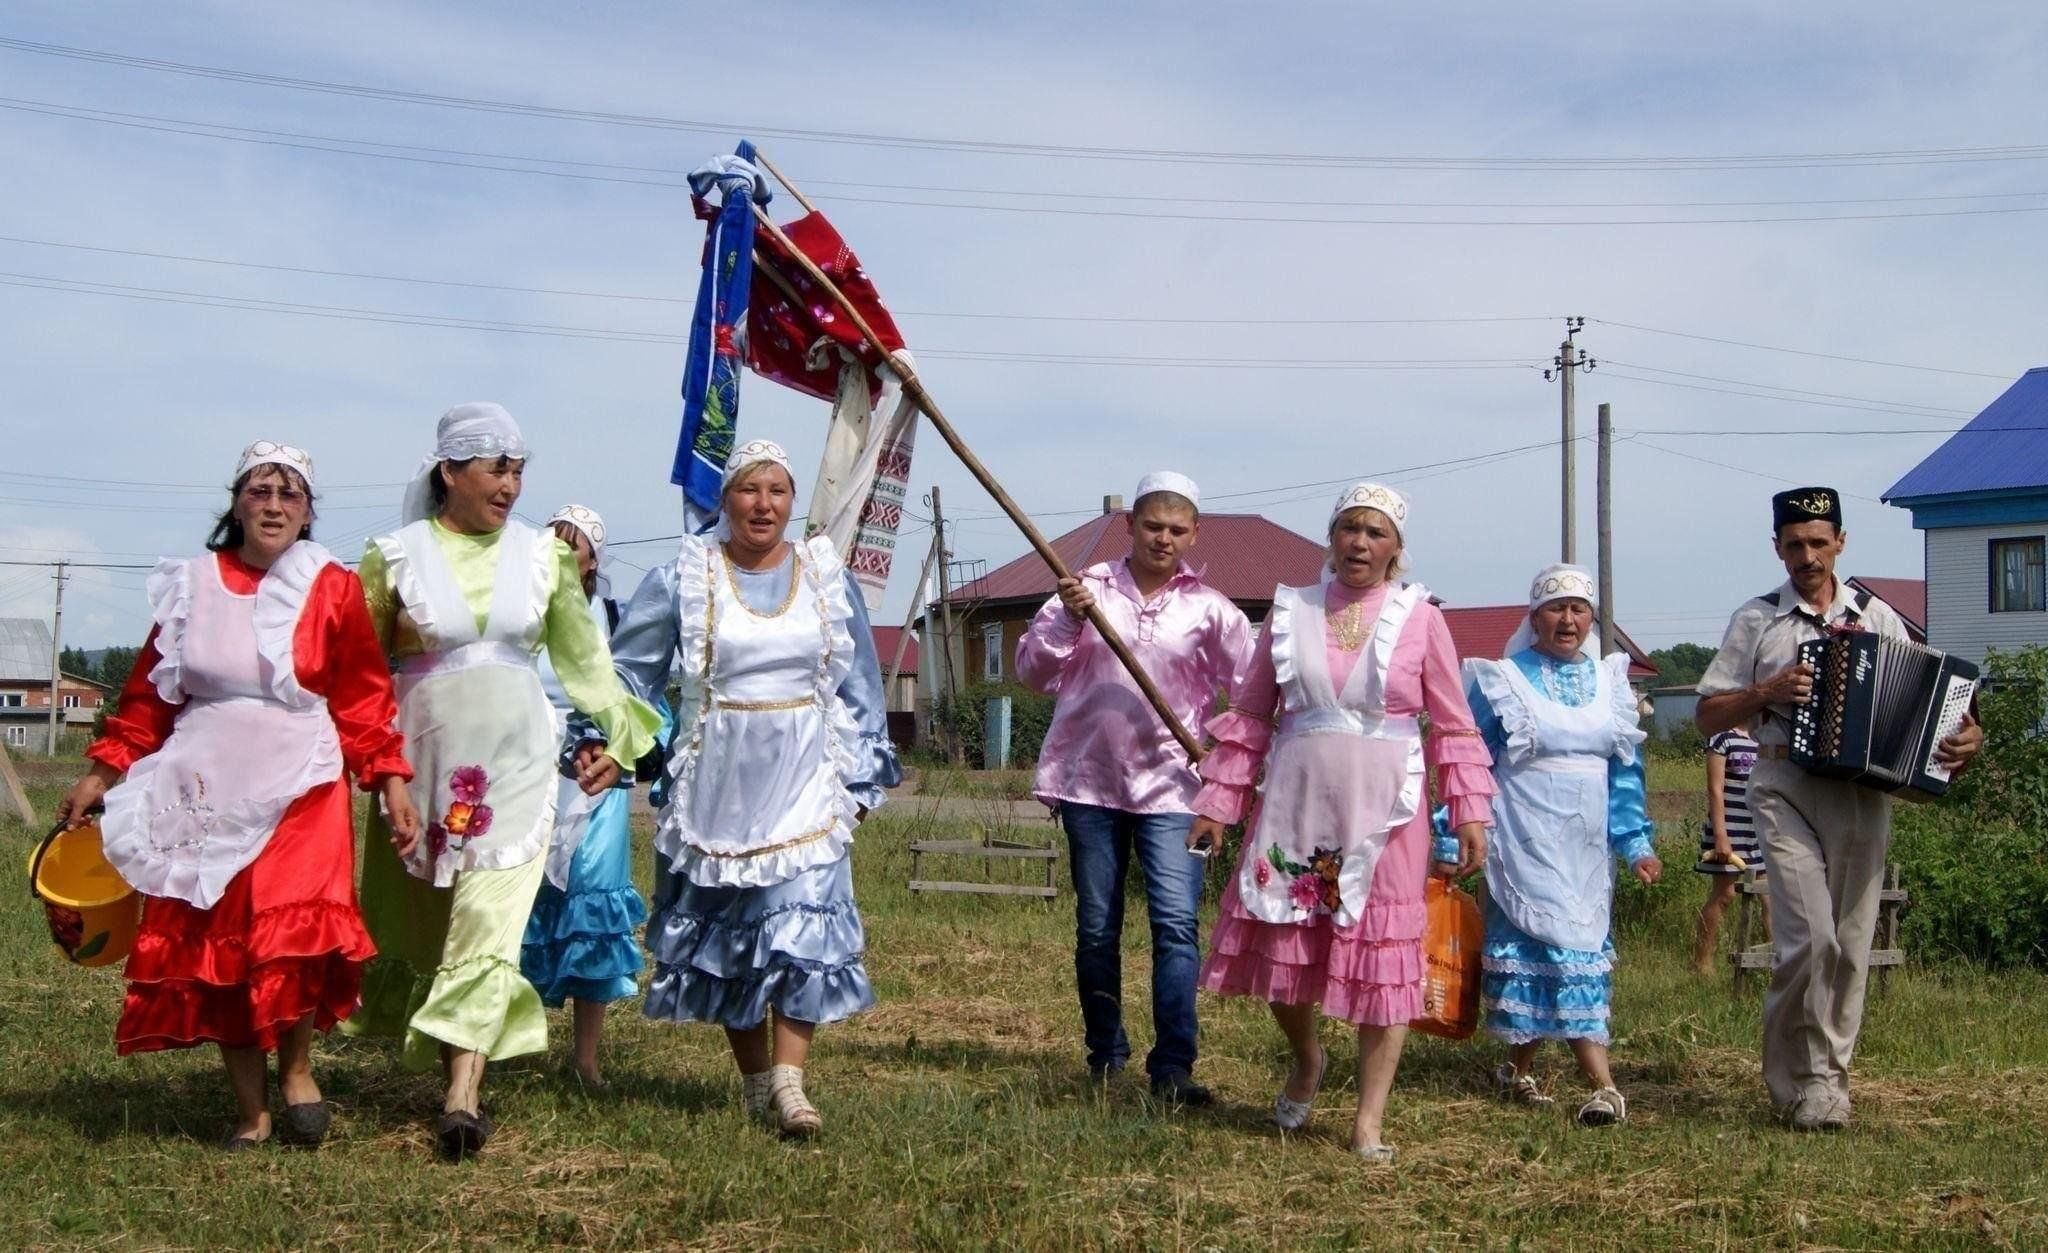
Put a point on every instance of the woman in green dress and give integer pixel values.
(464, 597)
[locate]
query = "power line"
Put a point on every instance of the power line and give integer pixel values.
(355, 147)
(682, 300)
(1753, 395)
(1902, 156)
(1868, 400)
(357, 314)
(1775, 478)
(1798, 352)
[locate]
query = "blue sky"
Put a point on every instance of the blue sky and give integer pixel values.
(116, 407)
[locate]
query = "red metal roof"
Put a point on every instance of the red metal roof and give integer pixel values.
(1483, 631)
(1241, 555)
(1908, 596)
(885, 648)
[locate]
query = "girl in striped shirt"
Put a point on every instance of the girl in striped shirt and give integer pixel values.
(1728, 843)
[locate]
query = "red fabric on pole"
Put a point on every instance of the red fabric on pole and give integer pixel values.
(780, 333)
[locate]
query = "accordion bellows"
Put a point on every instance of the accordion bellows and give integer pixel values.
(1879, 708)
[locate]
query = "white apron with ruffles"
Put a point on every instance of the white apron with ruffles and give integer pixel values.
(478, 729)
(1548, 864)
(764, 743)
(1342, 773)
(248, 742)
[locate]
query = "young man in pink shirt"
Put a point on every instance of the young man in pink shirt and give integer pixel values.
(1120, 781)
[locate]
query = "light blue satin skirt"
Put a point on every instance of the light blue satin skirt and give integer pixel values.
(580, 942)
(1536, 991)
(728, 955)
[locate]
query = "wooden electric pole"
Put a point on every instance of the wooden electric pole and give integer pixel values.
(1563, 367)
(1604, 520)
(955, 750)
(56, 656)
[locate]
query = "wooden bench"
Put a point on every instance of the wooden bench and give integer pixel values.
(990, 850)
(1885, 952)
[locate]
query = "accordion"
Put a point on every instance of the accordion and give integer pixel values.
(1879, 708)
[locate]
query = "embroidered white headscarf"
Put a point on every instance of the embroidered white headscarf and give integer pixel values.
(267, 453)
(468, 431)
(1557, 582)
(755, 452)
(1374, 496)
(585, 520)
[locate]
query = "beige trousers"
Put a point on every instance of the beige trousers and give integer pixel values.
(1825, 842)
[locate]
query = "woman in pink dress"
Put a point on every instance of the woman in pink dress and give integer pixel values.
(1326, 904)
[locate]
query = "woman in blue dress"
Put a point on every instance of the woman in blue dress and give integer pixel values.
(1562, 726)
(580, 944)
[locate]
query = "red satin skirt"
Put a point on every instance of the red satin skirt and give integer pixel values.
(286, 940)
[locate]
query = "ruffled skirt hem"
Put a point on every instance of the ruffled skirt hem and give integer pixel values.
(581, 945)
(252, 1013)
(730, 954)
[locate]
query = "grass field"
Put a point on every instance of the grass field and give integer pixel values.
(957, 1115)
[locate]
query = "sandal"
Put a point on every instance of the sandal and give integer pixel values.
(1292, 1115)
(1517, 1088)
(1374, 1154)
(1604, 1109)
(795, 1116)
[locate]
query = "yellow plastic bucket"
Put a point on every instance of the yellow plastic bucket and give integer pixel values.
(91, 910)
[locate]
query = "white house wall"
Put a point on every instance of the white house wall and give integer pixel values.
(1959, 617)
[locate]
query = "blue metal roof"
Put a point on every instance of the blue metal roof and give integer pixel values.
(2002, 449)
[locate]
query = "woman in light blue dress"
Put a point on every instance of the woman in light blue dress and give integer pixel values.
(580, 944)
(1562, 726)
(781, 748)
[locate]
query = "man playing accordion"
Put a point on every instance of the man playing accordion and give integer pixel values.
(1824, 839)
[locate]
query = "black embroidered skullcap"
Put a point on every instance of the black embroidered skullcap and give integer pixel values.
(1806, 504)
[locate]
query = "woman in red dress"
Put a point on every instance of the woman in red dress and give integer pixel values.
(259, 694)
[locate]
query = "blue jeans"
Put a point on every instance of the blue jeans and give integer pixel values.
(1099, 843)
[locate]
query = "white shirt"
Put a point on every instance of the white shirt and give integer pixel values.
(1764, 637)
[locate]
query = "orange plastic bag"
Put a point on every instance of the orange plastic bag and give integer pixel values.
(1450, 962)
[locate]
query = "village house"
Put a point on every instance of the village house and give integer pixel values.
(1980, 502)
(25, 689)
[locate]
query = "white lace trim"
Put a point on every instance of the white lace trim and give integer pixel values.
(707, 863)
(281, 600)
(169, 589)
(406, 585)
(1517, 723)
(1628, 731)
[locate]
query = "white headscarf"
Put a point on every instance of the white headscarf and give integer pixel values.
(1557, 582)
(266, 453)
(1374, 496)
(755, 452)
(477, 429)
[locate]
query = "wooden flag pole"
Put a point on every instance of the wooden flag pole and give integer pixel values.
(915, 386)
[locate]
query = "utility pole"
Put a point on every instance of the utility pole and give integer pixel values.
(954, 749)
(1604, 519)
(1562, 367)
(56, 653)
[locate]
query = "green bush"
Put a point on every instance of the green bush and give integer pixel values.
(1975, 891)
(1975, 866)
(963, 717)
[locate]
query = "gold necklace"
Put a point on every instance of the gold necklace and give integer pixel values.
(1350, 627)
